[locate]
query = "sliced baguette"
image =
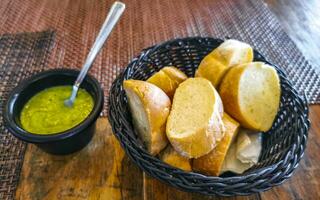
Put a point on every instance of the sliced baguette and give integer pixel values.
(150, 107)
(251, 94)
(194, 125)
(230, 53)
(168, 79)
(173, 158)
(212, 162)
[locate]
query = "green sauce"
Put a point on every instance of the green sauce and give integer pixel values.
(45, 113)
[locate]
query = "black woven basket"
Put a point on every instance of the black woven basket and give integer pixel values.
(283, 145)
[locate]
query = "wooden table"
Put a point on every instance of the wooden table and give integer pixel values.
(111, 175)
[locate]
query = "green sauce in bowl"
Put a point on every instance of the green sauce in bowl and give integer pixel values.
(45, 113)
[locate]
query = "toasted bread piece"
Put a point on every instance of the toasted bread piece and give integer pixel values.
(230, 53)
(212, 162)
(251, 94)
(194, 125)
(233, 52)
(168, 79)
(173, 158)
(150, 107)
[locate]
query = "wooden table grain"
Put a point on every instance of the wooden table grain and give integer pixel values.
(102, 170)
(300, 19)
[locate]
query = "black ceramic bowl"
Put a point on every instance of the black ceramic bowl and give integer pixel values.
(65, 142)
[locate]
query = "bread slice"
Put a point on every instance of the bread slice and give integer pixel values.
(251, 94)
(212, 162)
(168, 79)
(230, 53)
(194, 125)
(150, 107)
(173, 158)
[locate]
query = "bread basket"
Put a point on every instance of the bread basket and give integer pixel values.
(283, 145)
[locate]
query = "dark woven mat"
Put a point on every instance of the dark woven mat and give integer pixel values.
(21, 55)
(145, 24)
(247, 20)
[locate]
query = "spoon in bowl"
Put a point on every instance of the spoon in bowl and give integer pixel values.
(111, 20)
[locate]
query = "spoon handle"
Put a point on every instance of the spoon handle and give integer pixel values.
(111, 20)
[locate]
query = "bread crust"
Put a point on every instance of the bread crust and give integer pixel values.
(212, 162)
(216, 64)
(168, 79)
(211, 69)
(173, 158)
(156, 105)
(229, 93)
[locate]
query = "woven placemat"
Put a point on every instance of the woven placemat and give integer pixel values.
(246, 20)
(21, 55)
(145, 24)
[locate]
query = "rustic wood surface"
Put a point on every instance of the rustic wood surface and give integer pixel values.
(102, 170)
(300, 19)
(99, 171)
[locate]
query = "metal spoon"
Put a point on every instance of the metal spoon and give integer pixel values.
(111, 20)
